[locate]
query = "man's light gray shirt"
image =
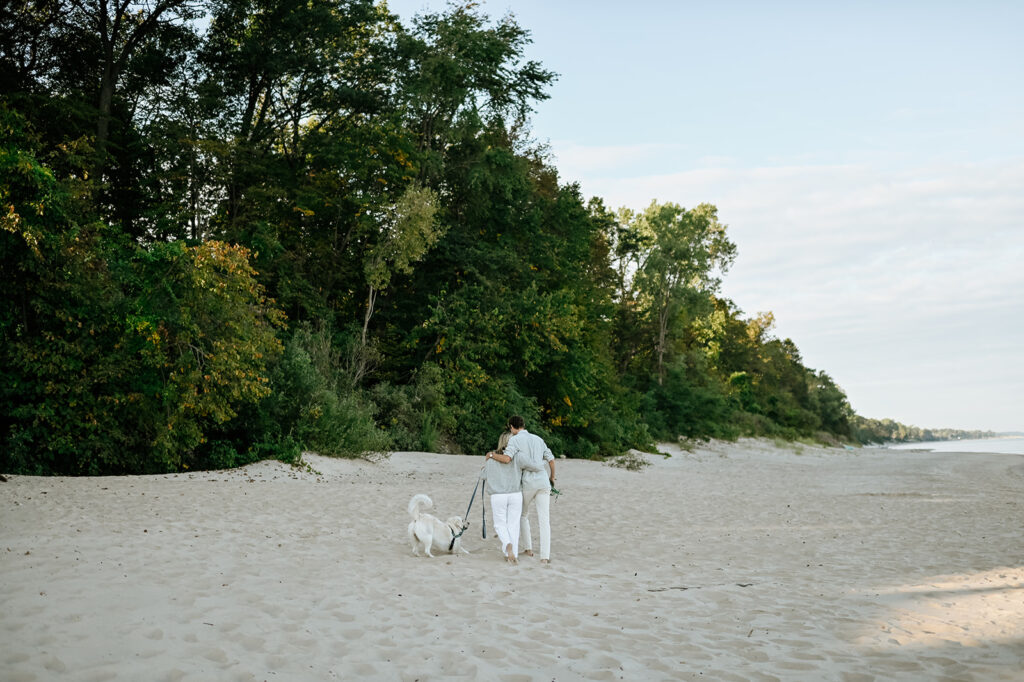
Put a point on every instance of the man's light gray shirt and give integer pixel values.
(531, 453)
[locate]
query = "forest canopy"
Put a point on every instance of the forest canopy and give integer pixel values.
(238, 229)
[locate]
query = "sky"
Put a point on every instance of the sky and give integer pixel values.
(868, 159)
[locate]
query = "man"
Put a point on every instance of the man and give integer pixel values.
(538, 466)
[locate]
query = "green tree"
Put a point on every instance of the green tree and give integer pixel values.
(408, 231)
(378, 184)
(123, 29)
(668, 258)
(461, 71)
(207, 331)
(116, 358)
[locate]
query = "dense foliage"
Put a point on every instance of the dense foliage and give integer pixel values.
(296, 225)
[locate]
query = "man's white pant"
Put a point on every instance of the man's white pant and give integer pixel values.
(541, 498)
(506, 509)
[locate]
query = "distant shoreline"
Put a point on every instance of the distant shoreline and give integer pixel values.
(1000, 445)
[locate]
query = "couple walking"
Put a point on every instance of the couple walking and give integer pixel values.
(519, 473)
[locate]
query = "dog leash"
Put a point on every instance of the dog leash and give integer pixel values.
(483, 510)
(483, 507)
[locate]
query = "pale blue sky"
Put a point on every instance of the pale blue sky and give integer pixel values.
(868, 158)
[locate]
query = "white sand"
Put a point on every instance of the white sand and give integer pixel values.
(736, 562)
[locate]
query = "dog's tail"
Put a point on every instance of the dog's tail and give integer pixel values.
(417, 504)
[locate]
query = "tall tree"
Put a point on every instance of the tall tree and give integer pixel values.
(667, 256)
(408, 230)
(462, 68)
(28, 43)
(123, 28)
(114, 357)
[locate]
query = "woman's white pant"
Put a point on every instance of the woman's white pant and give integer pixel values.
(541, 498)
(506, 509)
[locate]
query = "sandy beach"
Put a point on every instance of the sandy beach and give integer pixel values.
(737, 561)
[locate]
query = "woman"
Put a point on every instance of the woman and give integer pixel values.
(503, 483)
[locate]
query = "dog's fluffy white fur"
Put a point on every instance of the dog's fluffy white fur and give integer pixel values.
(428, 532)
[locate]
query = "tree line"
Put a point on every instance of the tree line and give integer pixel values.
(238, 229)
(889, 431)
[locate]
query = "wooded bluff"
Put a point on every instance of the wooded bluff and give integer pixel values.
(239, 229)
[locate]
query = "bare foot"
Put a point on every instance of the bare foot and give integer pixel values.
(545, 561)
(509, 557)
(528, 552)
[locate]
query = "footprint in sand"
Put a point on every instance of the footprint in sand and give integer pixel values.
(44, 641)
(807, 656)
(216, 655)
(54, 664)
(607, 662)
(340, 648)
(364, 670)
(307, 643)
(755, 656)
(492, 654)
(250, 643)
(275, 662)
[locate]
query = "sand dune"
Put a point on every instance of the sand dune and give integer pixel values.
(738, 561)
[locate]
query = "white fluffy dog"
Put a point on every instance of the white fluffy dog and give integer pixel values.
(428, 532)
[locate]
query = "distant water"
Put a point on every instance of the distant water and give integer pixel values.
(1007, 445)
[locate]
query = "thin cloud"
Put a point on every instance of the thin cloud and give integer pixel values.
(575, 160)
